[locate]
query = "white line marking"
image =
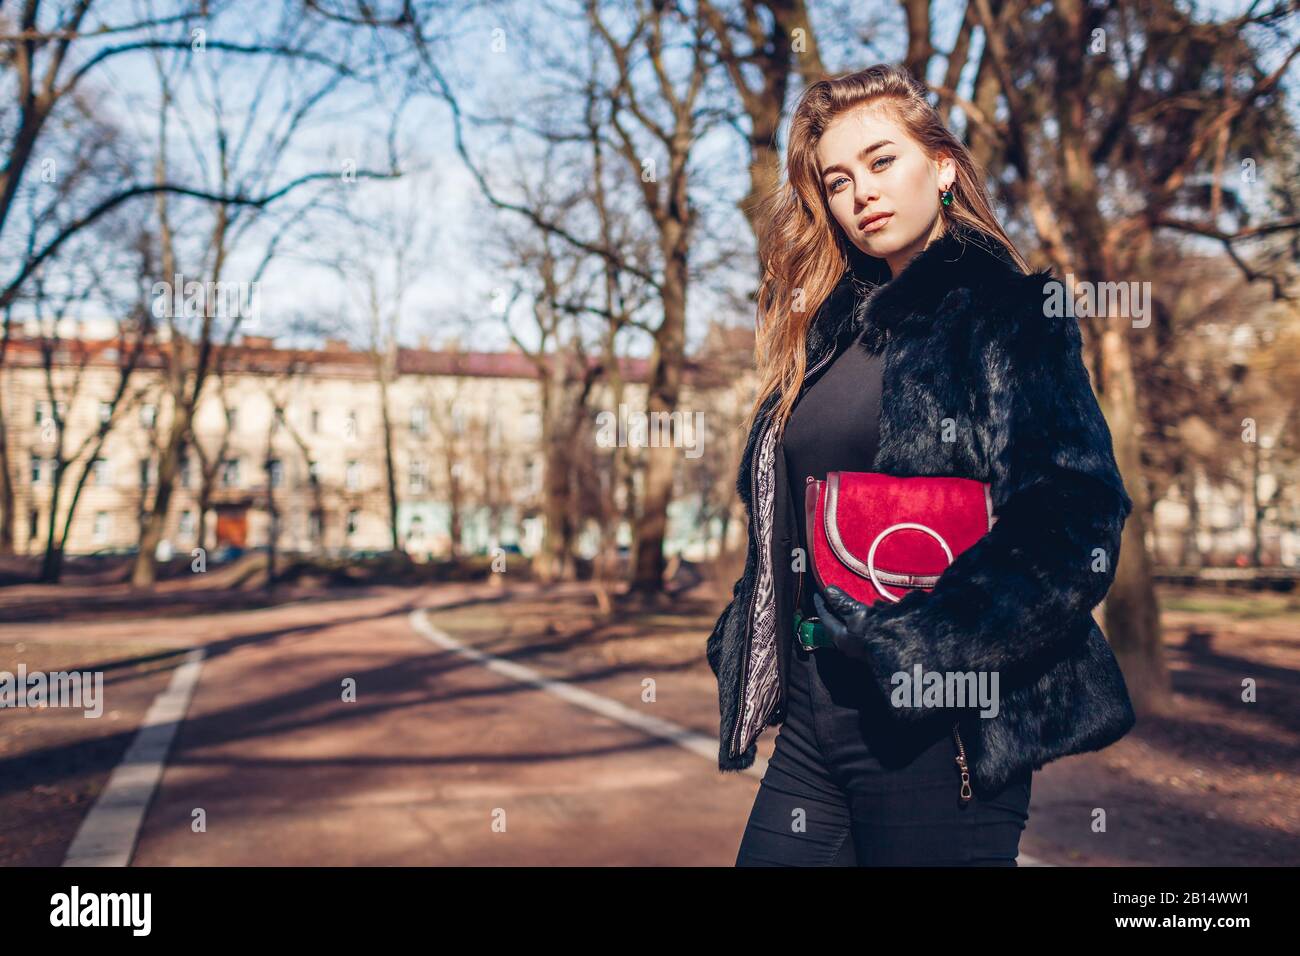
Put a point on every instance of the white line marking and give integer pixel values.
(683, 737)
(108, 833)
(696, 743)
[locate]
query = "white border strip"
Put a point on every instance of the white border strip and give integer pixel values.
(108, 833)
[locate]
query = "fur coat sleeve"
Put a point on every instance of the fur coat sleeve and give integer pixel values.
(1012, 600)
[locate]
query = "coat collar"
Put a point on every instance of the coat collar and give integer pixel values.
(963, 260)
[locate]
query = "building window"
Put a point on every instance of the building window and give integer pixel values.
(148, 416)
(419, 420)
(33, 523)
(533, 477)
(314, 524)
(275, 472)
(230, 473)
(187, 523)
(313, 473)
(418, 475)
(101, 527)
(315, 422)
(353, 517)
(352, 479)
(99, 471)
(37, 464)
(350, 426)
(43, 411)
(232, 418)
(530, 426)
(185, 468)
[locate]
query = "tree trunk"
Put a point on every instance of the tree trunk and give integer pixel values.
(145, 570)
(664, 393)
(1132, 614)
(390, 472)
(1191, 551)
(7, 515)
(1258, 507)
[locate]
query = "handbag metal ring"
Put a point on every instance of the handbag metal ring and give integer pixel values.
(871, 567)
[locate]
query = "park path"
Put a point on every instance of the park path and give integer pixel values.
(239, 746)
(237, 719)
(438, 760)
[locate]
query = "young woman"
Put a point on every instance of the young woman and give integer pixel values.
(900, 332)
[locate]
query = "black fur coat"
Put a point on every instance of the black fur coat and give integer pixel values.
(970, 353)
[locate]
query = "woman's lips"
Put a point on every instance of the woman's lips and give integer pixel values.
(878, 223)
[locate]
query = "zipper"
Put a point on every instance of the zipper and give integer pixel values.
(798, 594)
(965, 791)
(753, 598)
(799, 502)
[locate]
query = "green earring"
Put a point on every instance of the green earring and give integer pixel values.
(945, 197)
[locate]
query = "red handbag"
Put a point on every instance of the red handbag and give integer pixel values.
(874, 536)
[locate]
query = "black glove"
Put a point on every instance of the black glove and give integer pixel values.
(848, 625)
(853, 629)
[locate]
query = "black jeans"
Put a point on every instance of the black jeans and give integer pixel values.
(848, 785)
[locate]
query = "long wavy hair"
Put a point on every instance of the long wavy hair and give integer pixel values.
(804, 252)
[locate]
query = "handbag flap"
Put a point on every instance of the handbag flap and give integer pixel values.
(907, 520)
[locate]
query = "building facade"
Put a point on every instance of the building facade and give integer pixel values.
(293, 446)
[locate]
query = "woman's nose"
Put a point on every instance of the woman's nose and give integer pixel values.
(866, 194)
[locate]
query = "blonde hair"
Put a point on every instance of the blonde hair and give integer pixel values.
(801, 247)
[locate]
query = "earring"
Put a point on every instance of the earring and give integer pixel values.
(945, 197)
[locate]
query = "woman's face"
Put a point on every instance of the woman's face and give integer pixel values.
(869, 166)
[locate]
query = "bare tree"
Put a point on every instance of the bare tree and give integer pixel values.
(665, 110)
(66, 364)
(245, 160)
(51, 51)
(763, 45)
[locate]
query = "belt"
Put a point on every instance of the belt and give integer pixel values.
(811, 632)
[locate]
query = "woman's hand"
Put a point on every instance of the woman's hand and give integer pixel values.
(854, 628)
(848, 626)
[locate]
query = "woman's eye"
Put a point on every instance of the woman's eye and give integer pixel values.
(835, 184)
(876, 167)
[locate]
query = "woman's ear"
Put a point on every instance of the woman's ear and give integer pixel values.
(946, 171)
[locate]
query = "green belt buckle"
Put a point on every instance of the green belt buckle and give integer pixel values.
(811, 632)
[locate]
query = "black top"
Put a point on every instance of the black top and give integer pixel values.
(834, 426)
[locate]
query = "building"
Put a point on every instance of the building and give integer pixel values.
(293, 446)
